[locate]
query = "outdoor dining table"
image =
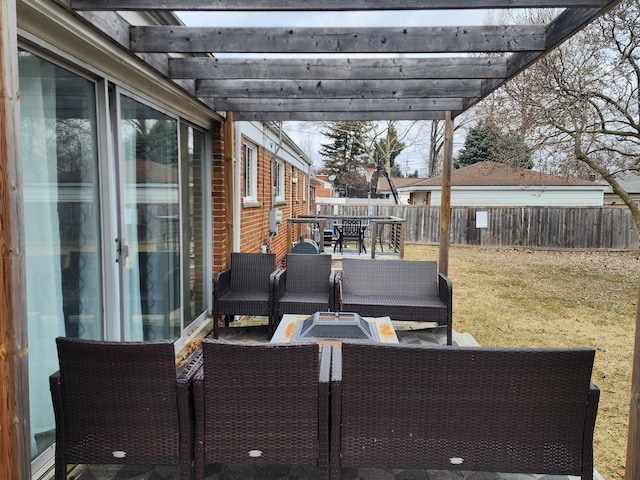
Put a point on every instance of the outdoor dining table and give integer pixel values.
(325, 222)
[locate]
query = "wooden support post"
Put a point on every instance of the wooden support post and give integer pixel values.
(632, 470)
(445, 205)
(14, 445)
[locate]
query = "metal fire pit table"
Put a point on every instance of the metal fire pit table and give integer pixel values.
(334, 327)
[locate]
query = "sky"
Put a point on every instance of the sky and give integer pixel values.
(388, 18)
(308, 135)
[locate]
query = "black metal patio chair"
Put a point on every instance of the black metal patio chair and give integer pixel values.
(351, 229)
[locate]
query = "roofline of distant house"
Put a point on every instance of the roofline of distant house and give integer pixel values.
(431, 188)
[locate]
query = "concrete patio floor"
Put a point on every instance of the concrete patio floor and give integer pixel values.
(253, 329)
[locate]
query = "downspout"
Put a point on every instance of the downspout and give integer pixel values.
(237, 187)
(274, 168)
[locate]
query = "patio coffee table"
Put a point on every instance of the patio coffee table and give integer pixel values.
(334, 327)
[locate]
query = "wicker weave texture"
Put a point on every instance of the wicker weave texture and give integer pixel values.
(450, 408)
(262, 404)
(120, 403)
(400, 289)
(306, 286)
(245, 288)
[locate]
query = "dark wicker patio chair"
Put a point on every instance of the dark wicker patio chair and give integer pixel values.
(400, 289)
(470, 409)
(121, 404)
(262, 404)
(245, 288)
(307, 286)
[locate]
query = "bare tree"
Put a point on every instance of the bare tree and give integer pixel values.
(581, 102)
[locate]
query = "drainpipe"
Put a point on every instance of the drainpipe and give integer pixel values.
(237, 187)
(274, 166)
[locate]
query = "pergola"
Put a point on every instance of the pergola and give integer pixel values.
(466, 63)
(411, 73)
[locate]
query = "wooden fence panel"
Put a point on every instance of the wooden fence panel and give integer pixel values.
(574, 228)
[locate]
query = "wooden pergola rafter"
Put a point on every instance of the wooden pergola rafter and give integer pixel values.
(466, 64)
(422, 73)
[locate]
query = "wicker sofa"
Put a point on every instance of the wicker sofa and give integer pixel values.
(468, 409)
(400, 289)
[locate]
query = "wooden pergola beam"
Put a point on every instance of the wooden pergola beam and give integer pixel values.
(338, 68)
(334, 105)
(181, 39)
(336, 116)
(321, 5)
(334, 89)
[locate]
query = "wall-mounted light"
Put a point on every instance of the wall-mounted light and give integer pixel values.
(294, 179)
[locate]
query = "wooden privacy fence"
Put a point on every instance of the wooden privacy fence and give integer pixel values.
(594, 228)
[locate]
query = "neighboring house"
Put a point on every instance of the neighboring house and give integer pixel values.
(402, 186)
(132, 193)
(630, 182)
(492, 184)
(325, 189)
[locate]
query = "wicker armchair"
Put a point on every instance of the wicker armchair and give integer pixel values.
(245, 288)
(262, 404)
(308, 285)
(463, 409)
(122, 404)
(400, 289)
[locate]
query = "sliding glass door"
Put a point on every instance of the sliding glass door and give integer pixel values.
(150, 221)
(61, 223)
(116, 197)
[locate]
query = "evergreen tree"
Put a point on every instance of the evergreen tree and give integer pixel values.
(485, 142)
(345, 156)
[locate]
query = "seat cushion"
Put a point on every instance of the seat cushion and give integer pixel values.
(306, 303)
(425, 309)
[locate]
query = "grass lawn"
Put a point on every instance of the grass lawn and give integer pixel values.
(524, 298)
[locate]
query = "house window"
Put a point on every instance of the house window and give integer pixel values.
(249, 172)
(278, 181)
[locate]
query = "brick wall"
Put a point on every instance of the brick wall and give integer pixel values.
(254, 216)
(220, 172)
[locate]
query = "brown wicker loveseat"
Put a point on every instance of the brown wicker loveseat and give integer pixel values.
(469, 409)
(399, 289)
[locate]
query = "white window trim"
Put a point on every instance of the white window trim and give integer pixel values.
(249, 154)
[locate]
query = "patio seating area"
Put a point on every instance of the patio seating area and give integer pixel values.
(407, 335)
(403, 290)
